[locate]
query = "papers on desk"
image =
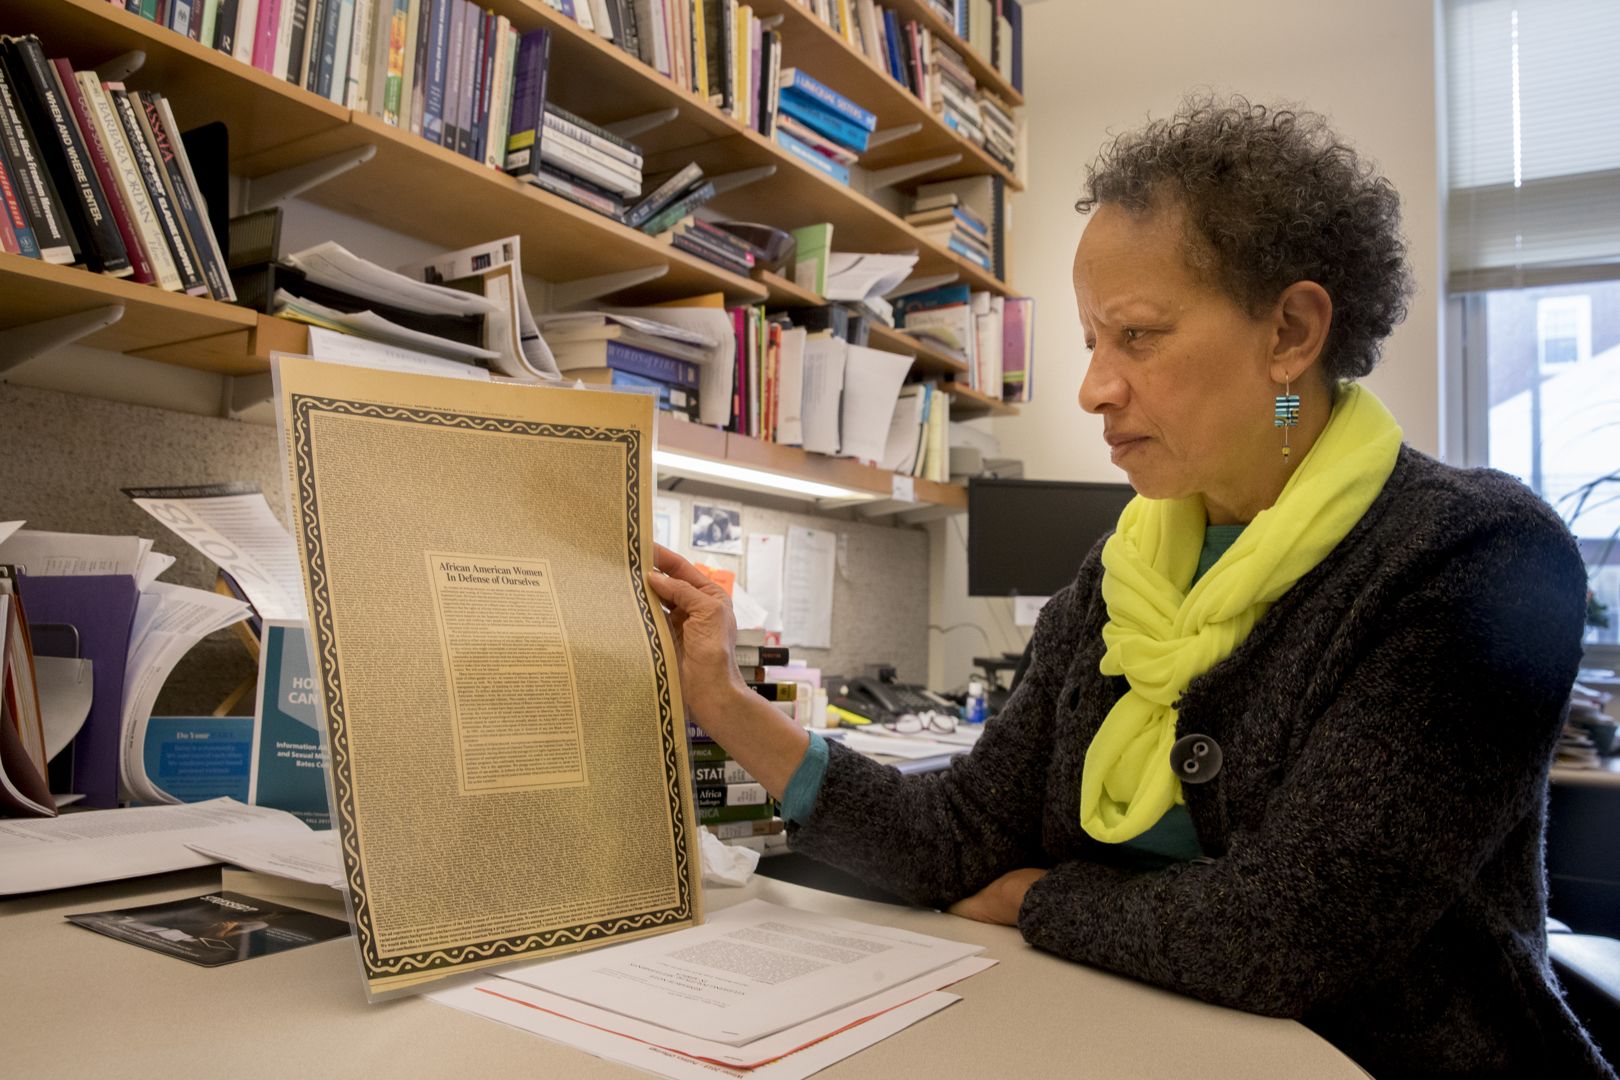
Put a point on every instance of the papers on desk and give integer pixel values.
(309, 856)
(898, 746)
(81, 849)
(786, 992)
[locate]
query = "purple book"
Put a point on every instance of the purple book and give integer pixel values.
(102, 609)
(528, 104)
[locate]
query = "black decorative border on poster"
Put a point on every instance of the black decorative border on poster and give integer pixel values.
(378, 967)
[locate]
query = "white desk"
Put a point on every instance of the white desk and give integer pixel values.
(76, 1004)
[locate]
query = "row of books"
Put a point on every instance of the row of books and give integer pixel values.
(992, 28)
(992, 334)
(968, 216)
(915, 58)
(919, 433)
(730, 802)
(97, 175)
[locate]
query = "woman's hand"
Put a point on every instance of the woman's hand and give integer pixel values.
(1000, 901)
(705, 632)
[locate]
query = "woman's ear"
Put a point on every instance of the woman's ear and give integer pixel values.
(1303, 315)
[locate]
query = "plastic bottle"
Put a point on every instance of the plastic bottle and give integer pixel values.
(973, 710)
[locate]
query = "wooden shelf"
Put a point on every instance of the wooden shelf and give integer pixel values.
(980, 66)
(968, 403)
(185, 330)
(812, 46)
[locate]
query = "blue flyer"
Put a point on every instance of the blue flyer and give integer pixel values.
(195, 758)
(290, 763)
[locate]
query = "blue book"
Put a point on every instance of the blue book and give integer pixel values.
(928, 299)
(813, 157)
(971, 220)
(794, 79)
(669, 397)
(652, 365)
(897, 67)
(967, 252)
(438, 56)
(811, 113)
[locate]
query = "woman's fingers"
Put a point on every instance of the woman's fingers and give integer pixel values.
(677, 567)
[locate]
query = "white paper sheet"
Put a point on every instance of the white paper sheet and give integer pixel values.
(234, 527)
(667, 521)
(807, 587)
(765, 552)
(66, 688)
(55, 554)
(334, 266)
(369, 324)
(507, 251)
(661, 1062)
(110, 845)
(752, 970)
(855, 276)
(181, 618)
(9, 527)
(717, 372)
(907, 748)
(872, 381)
(348, 349)
(790, 387)
(749, 613)
(310, 856)
(823, 387)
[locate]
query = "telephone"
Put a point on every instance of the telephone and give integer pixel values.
(885, 701)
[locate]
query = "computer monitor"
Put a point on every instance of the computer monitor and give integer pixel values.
(1027, 537)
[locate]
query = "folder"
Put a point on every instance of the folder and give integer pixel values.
(102, 608)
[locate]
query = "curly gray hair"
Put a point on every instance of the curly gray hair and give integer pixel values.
(1272, 197)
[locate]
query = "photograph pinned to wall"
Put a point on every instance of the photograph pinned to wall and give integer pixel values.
(716, 529)
(667, 521)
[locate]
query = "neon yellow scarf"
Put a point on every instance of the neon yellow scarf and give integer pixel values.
(1161, 636)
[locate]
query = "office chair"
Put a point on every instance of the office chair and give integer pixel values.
(1588, 966)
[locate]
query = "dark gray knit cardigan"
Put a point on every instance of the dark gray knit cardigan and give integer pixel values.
(1373, 839)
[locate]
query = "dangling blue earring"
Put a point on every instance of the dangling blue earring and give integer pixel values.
(1286, 415)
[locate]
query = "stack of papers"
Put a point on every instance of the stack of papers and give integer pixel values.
(758, 991)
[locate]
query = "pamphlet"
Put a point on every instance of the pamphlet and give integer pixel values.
(289, 762)
(216, 929)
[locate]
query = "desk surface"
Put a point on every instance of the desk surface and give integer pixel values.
(82, 1005)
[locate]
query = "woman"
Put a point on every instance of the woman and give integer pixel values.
(1283, 744)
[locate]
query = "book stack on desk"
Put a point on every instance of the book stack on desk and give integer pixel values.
(730, 802)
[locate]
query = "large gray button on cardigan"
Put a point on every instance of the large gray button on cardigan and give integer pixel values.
(1374, 829)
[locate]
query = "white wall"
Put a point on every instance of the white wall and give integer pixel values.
(1091, 68)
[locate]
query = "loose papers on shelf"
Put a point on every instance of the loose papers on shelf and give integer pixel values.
(716, 364)
(856, 275)
(872, 381)
(500, 264)
(334, 266)
(233, 526)
(474, 555)
(369, 324)
(349, 349)
(807, 587)
(110, 845)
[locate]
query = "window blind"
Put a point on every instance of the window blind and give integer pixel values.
(1532, 142)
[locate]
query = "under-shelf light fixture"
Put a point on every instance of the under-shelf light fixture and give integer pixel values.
(687, 465)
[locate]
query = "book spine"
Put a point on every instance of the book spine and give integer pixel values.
(11, 203)
(310, 76)
(721, 773)
(281, 60)
(8, 233)
(567, 157)
(660, 197)
(811, 114)
(797, 80)
(476, 79)
(743, 830)
(67, 158)
(673, 213)
(297, 41)
(808, 155)
(693, 244)
(524, 138)
(653, 365)
(225, 26)
(324, 62)
(207, 244)
(208, 28)
(129, 116)
(576, 192)
(414, 92)
(194, 29)
(618, 166)
(167, 150)
(438, 53)
(128, 177)
(39, 198)
(264, 35)
(591, 135)
(247, 29)
(708, 815)
(729, 794)
(500, 104)
(141, 268)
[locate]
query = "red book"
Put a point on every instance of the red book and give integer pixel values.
(138, 261)
(8, 235)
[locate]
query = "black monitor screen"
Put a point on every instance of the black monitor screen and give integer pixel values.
(1027, 537)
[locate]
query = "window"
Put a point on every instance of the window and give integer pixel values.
(1532, 150)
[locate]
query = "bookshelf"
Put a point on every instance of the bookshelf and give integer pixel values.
(421, 190)
(982, 68)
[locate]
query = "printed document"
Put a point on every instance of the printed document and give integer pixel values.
(498, 684)
(807, 587)
(753, 970)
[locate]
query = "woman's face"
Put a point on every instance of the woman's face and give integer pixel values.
(1179, 372)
